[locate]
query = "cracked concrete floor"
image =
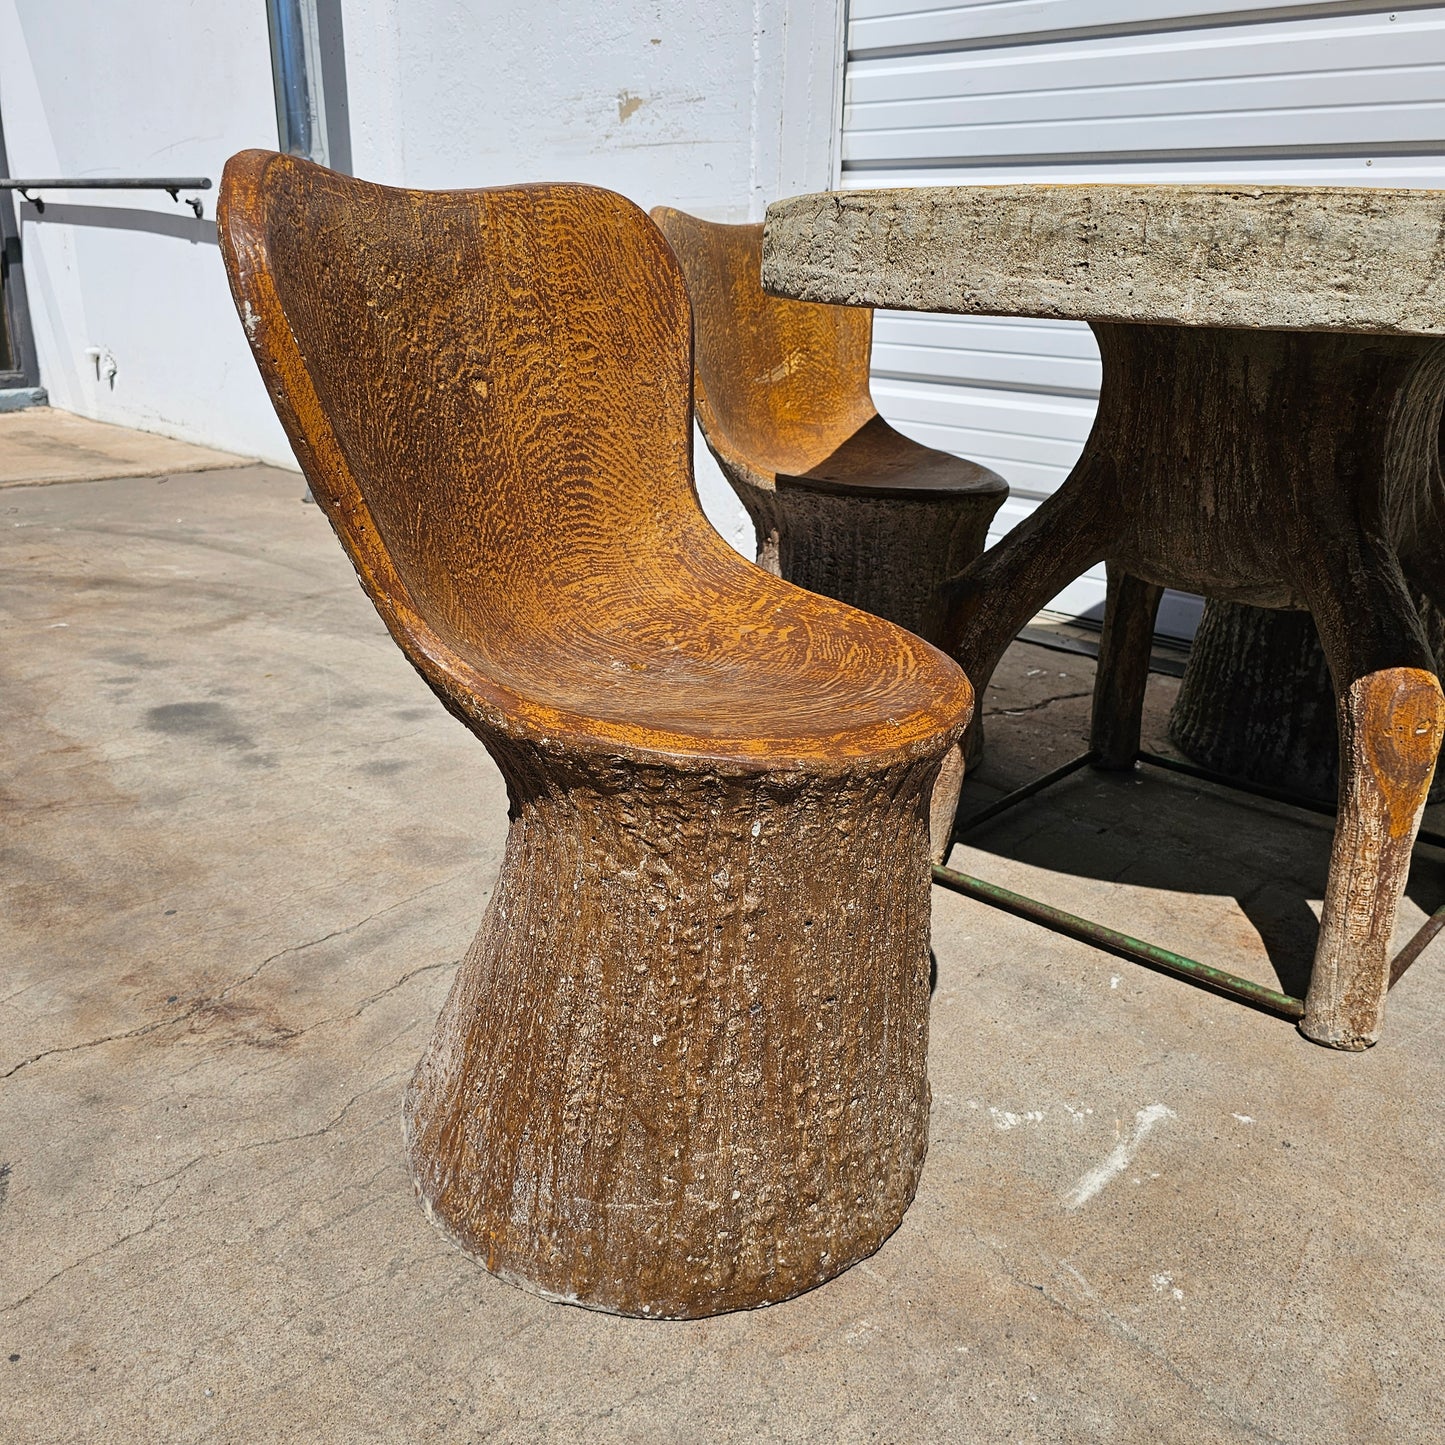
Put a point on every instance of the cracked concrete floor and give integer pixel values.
(243, 849)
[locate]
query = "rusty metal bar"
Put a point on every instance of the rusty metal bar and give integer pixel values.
(1136, 949)
(1149, 954)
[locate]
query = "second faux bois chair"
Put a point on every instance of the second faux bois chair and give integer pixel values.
(681, 1069)
(842, 503)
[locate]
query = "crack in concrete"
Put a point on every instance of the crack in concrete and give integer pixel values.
(1129, 1335)
(1036, 706)
(367, 1002)
(94, 1254)
(325, 1128)
(210, 1000)
(155, 1217)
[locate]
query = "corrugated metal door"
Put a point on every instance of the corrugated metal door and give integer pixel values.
(1102, 90)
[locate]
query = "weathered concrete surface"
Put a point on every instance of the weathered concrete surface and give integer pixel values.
(244, 848)
(42, 444)
(1356, 258)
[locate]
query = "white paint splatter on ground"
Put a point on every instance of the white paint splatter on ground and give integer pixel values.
(1164, 1284)
(1119, 1158)
(1002, 1119)
(1245, 1118)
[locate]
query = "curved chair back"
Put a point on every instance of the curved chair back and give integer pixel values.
(780, 382)
(489, 391)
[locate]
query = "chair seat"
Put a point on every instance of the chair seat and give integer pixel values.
(880, 462)
(724, 663)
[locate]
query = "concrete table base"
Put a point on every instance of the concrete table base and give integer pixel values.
(1288, 439)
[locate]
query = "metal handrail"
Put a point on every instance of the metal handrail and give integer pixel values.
(171, 185)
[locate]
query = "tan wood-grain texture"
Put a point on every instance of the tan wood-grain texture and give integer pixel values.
(843, 504)
(1267, 434)
(681, 1069)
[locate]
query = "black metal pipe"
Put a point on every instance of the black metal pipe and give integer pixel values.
(1260, 790)
(1045, 780)
(1417, 945)
(172, 186)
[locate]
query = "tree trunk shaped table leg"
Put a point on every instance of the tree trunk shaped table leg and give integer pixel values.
(656, 932)
(1390, 720)
(1123, 673)
(1279, 469)
(1257, 701)
(996, 595)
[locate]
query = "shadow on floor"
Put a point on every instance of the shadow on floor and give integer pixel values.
(1149, 830)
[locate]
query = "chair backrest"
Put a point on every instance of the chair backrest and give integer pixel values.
(782, 384)
(489, 390)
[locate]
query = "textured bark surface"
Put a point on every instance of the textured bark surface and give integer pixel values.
(889, 556)
(1247, 446)
(1258, 703)
(682, 1068)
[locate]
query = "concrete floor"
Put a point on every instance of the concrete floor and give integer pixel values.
(42, 444)
(244, 848)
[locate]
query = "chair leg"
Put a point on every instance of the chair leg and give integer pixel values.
(682, 1068)
(1123, 673)
(1391, 715)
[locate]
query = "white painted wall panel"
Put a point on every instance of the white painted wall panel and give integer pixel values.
(1015, 91)
(1360, 81)
(1054, 356)
(892, 26)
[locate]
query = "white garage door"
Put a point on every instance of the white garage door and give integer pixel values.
(1110, 90)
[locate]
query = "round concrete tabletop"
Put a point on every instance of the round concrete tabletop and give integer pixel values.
(1263, 257)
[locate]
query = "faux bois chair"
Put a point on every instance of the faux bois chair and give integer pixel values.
(681, 1069)
(841, 502)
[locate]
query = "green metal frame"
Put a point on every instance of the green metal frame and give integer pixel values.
(1135, 949)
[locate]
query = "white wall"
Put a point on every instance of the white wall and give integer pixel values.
(717, 106)
(167, 87)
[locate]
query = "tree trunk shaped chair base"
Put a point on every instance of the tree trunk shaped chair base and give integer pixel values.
(842, 504)
(682, 1068)
(715, 991)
